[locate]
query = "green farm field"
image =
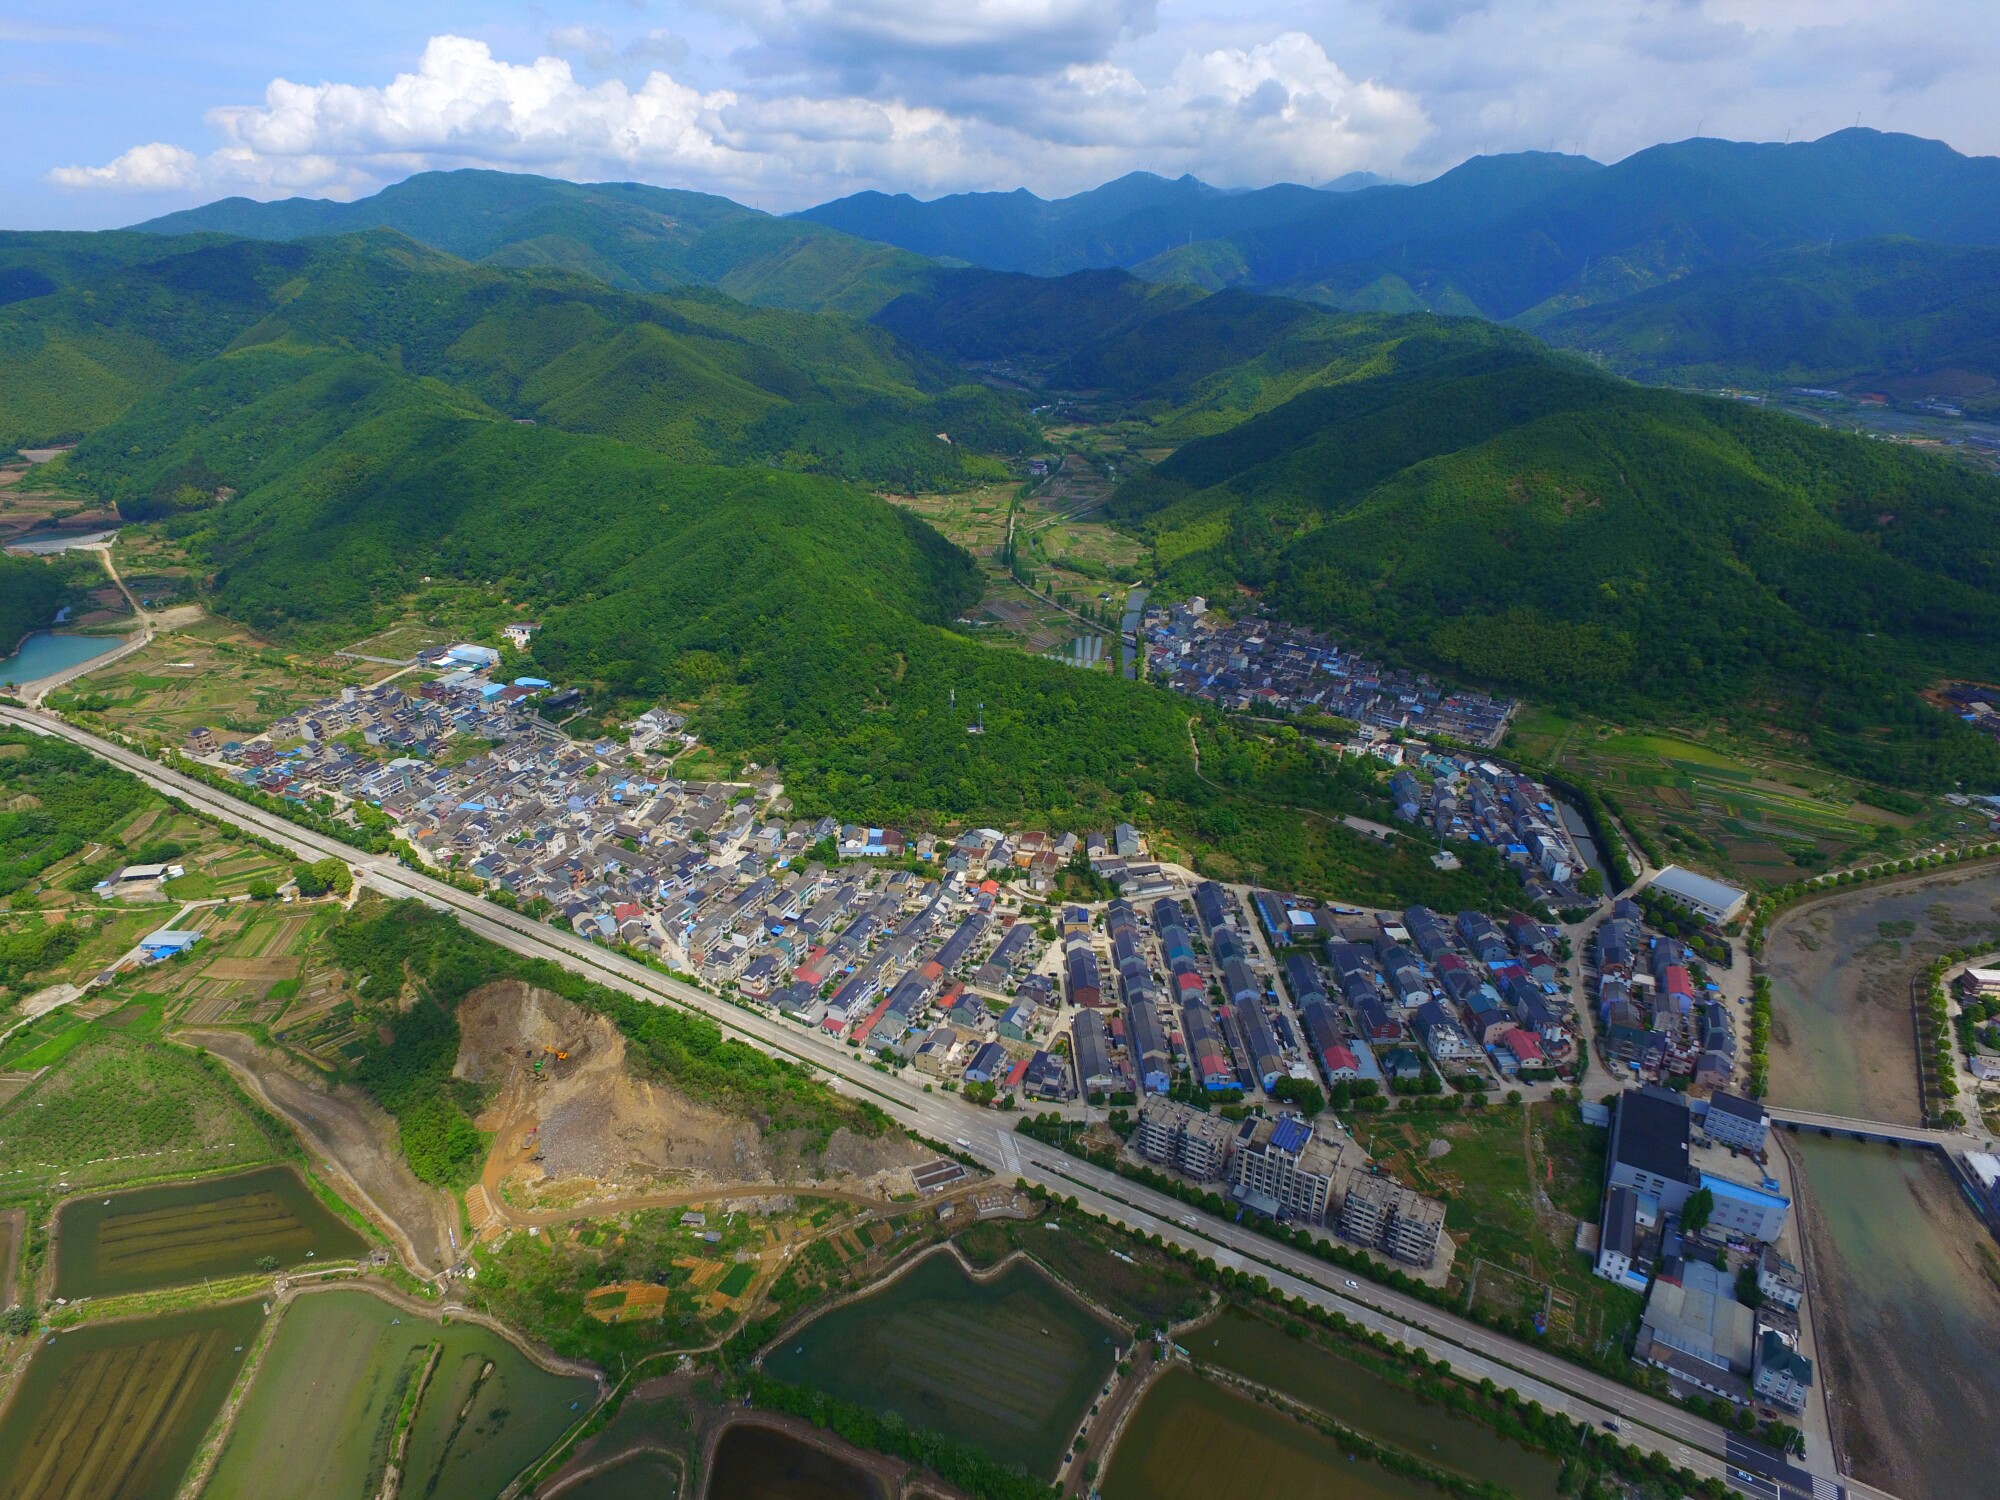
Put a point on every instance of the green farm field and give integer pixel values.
(317, 1418)
(1743, 808)
(207, 673)
(116, 1109)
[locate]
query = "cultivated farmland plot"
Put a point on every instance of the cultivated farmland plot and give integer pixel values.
(180, 1232)
(117, 1409)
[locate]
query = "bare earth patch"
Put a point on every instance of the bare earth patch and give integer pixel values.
(584, 1119)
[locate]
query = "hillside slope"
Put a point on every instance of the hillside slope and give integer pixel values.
(1626, 550)
(695, 375)
(1903, 316)
(345, 429)
(1452, 491)
(625, 234)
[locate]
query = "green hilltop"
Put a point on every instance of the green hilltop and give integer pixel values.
(625, 234)
(696, 374)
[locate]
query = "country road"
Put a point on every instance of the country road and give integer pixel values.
(1473, 1351)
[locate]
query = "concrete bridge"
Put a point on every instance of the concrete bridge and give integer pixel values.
(1866, 1130)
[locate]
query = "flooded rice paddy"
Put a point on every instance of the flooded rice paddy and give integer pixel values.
(1009, 1363)
(180, 1232)
(115, 1411)
(318, 1417)
(1357, 1398)
(754, 1462)
(1192, 1440)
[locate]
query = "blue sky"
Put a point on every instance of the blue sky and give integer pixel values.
(117, 111)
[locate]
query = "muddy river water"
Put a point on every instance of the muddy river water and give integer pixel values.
(1907, 1279)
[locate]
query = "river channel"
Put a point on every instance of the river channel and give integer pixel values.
(1906, 1278)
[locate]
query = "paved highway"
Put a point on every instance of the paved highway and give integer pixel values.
(1648, 1423)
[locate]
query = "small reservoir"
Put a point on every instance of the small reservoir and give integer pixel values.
(45, 653)
(754, 1462)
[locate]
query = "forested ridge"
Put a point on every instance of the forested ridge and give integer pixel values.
(660, 481)
(694, 375)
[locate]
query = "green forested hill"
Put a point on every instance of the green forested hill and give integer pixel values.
(1634, 551)
(1913, 318)
(31, 591)
(330, 426)
(625, 234)
(697, 374)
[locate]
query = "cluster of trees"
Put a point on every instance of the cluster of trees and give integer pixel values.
(54, 798)
(31, 591)
(323, 876)
(1760, 1036)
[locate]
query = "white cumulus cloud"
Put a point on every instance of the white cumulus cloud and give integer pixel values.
(1281, 108)
(152, 168)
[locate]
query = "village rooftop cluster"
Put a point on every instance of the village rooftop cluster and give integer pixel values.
(941, 953)
(1461, 798)
(1257, 665)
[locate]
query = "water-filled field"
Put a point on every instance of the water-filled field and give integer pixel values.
(1009, 1364)
(637, 1476)
(1357, 1398)
(115, 1411)
(753, 1462)
(318, 1416)
(1192, 1440)
(183, 1231)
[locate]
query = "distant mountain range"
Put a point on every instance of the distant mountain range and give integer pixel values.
(1523, 236)
(1702, 241)
(1898, 316)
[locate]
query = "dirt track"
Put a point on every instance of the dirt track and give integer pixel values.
(341, 1127)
